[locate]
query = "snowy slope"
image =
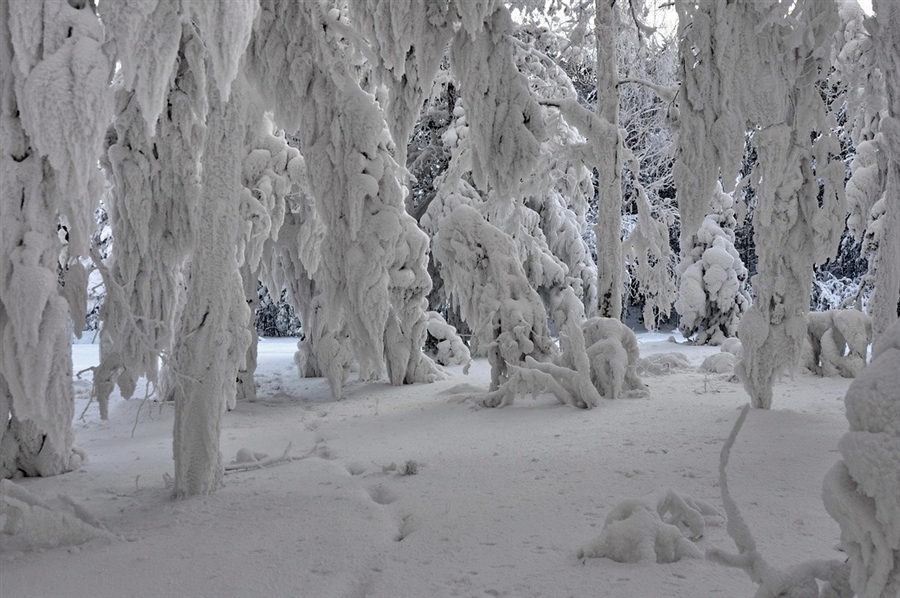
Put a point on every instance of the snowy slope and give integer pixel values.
(499, 504)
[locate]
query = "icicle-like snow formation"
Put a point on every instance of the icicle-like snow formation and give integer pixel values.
(506, 127)
(54, 109)
(372, 273)
(884, 306)
(862, 492)
(146, 36)
(409, 38)
(152, 207)
(713, 292)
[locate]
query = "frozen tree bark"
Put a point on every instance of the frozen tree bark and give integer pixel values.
(212, 339)
(885, 302)
(54, 106)
(610, 261)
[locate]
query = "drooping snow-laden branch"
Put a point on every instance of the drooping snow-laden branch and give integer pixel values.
(798, 177)
(408, 38)
(800, 581)
(372, 273)
(54, 108)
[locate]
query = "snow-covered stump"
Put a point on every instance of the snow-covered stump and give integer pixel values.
(213, 338)
(831, 334)
(862, 492)
(54, 107)
(597, 334)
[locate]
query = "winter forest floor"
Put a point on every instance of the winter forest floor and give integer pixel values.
(499, 504)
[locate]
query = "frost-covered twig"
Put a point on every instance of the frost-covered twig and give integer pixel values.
(263, 463)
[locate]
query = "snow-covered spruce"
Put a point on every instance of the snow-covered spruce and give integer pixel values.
(862, 492)
(54, 109)
(713, 293)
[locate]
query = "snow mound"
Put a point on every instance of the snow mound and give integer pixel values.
(634, 532)
(663, 363)
(720, 363)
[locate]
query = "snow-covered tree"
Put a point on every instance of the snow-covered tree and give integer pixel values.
(713, 292)
(885, 302)
(798, 181)
(54, 108)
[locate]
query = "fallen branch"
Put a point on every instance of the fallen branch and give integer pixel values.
(268, 462)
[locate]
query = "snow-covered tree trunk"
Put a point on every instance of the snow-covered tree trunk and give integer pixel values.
(246, 385)
(212, 339)
(54, 107)
(610, 260)
(885, 301)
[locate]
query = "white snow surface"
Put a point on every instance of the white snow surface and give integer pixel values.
(501, 501)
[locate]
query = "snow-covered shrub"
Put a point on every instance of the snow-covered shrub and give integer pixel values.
(635, 532)
(713, 293)
(862, 492)
(837, 342)
(599, 329)
(732, 345)
(448, 347)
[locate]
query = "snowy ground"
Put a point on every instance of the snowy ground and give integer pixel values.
(499, 504)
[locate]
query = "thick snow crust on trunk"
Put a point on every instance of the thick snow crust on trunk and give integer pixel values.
(862, 492)
(713, 293)
(212, 340)
(53, 113)
(372, 274)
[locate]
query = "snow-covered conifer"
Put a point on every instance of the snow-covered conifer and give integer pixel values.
(713, 292)
(54, 108)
